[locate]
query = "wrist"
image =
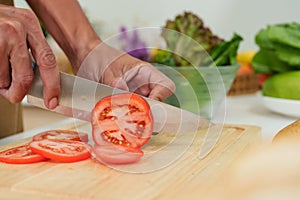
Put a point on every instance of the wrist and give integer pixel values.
(80, 50)
(67, 23)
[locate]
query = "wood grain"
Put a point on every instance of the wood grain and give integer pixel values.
(187, 176)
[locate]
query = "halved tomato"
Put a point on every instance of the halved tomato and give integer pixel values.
(61, 150)
(123, 120)
(61, 135)
(112, 154)
(20, 155)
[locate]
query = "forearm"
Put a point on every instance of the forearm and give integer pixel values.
(67, 23)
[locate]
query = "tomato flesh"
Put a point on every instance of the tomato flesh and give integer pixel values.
(110, 154)
(61, 135)
(61, 150)
(122, 119)
(20, 155)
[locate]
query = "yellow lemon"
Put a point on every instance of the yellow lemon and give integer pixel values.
(245, 57)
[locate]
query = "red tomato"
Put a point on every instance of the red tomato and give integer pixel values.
(61, 135)
(112, 154)
(61, 150)
(123, 120)
(20, 155)
(262, 78)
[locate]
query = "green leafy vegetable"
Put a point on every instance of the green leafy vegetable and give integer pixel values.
(269, 66)
(279, 48)
(287, 34)
(263, 41)
(193, 44)
(225, 53)
(192, 26)
(164, 57)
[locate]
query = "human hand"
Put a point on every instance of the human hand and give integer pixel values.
(20, 31)
(109, 66)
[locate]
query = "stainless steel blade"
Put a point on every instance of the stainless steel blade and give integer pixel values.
(79, 96)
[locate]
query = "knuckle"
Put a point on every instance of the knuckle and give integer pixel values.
(12, 27)
(46, 59)
(15, 99)
(30, 19)
(27, 14)
(22, 84)
(27, 80)
(24, 81)
(15, 96)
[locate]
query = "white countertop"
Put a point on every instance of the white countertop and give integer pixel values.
(250, 110)
(243, 109)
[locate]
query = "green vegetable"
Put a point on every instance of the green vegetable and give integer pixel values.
(288, 54)
(269, 66)
(283, 85)
(263, 41)
(287, 34)
(164, 57)
(225, 53)
(191, 25)
(190, 41)
(279, 48)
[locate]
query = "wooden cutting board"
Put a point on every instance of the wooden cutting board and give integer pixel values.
(187, 176)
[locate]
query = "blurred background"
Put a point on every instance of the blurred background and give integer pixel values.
(223, 16)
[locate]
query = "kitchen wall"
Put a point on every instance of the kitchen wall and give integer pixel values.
(224, 17)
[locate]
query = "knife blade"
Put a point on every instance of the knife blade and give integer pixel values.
(78, 97)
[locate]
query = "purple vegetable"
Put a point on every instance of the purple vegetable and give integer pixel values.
(132, 44)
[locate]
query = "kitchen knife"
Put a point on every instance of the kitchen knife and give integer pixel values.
(78, 97)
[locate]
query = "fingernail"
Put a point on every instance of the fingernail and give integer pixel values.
(53, 103)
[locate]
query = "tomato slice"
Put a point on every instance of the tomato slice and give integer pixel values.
(20, 155)
(61, 150)
(61, 135)
(112, 154)
(123, 120)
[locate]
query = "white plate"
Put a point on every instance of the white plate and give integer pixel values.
(283, 106)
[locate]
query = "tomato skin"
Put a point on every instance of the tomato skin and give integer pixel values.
(61, 135)
(20, 155)
(109, 154)
(122, 119)
(262, 78)
(61, 150)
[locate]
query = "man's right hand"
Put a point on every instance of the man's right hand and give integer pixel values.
(20, 31)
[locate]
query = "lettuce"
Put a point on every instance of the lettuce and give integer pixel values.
(279, 48)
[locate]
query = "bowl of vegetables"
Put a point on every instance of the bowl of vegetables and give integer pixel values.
(278, 61)
(199, 89)
(202, 65)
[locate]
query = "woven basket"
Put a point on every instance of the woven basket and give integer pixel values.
(244, 84)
